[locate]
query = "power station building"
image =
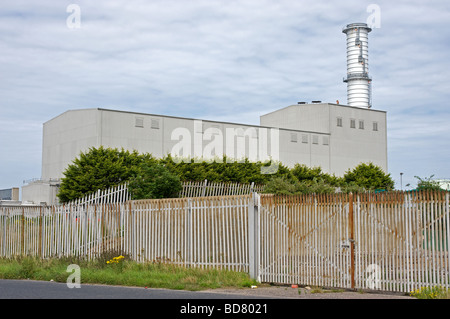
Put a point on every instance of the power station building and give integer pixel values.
(333, 136)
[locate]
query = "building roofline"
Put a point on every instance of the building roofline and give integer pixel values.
(186, 118)
(72, 110)
(327, 104)
(210, 121)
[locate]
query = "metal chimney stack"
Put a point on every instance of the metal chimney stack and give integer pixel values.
(359, 88)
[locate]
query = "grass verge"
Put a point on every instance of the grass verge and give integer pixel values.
(124, 273)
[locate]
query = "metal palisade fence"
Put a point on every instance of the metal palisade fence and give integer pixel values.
(207, 188)
(115, 194)
(389, 241)
(120, 193)
(194, 232)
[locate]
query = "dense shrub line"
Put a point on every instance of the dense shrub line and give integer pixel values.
(149, 177)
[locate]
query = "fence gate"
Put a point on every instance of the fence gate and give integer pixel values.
(307, 240)
(402, 240)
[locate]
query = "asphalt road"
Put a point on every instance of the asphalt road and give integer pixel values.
(30, 289)
(272, 302)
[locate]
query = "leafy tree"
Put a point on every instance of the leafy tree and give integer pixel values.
(101, 168)
(98, 168)
(284, 186)
(223, 170)
(280, 186)
(303, 172)
(369, 176)
(427, 183)
(154, 181)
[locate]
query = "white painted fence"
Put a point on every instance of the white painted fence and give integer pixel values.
(207, 188)
(390, 242)
(112, 195)
(120, 193)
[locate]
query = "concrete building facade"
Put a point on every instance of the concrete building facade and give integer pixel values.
(332, 136)
(356, 135)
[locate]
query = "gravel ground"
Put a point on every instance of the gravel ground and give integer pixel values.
(285, 292)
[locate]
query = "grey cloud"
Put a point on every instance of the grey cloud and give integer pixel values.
(215, 59)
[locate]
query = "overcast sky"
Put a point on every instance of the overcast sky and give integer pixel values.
(221, 60)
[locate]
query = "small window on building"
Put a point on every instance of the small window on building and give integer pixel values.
(339, 122)
(325, 140)
(155, 123)
(315, 139)
(139, 122)
(375, 126)
(352, 123)
(361, 125)
(293, 138)
(305, 138)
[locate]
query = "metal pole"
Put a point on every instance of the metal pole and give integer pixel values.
(23, 232)
(254, 236)
(352, 240)
(189, 232)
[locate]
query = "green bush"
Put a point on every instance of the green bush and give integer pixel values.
(148, 177)
(223, 170)
(99, 168)
(284, 186)
(427, 183)
(154, 181)
(369, 176)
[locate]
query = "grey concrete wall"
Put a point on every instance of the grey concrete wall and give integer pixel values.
(352, 146)
(308, 135)
(348, 146)
(65, 136)
(39, 192)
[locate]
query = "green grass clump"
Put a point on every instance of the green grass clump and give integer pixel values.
(124, 272)
(436, 292)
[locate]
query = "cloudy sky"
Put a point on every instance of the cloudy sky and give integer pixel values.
(221, 60)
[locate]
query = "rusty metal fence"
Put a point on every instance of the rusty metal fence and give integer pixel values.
(390, 241)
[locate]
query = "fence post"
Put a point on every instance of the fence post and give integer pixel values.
(351, 240)
(4, 218)
(23, 232)
(254, 236)
(40, 233)
(189, 232)
(204, 188)
(131, 226)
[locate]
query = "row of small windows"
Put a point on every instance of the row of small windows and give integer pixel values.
(360, 124)
(315, 139)
(139, 122)
(154, 124)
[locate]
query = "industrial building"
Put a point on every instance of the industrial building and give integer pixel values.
(334, 136)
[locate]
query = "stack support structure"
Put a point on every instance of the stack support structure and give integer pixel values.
(359, 87)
